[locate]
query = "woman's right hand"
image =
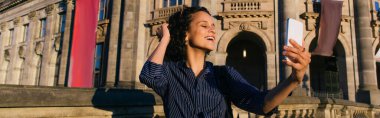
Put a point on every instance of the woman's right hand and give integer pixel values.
(163, 32)
(158, 54)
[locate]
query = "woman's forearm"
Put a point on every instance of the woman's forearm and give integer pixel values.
(279, 93)
(158, 54)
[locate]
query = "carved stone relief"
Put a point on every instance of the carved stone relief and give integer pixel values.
(21, 51)
(245, 25)
(39, 48)
(7, 55)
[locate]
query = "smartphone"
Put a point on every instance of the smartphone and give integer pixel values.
(294, 30)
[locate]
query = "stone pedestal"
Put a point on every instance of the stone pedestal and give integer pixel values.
(370, 96)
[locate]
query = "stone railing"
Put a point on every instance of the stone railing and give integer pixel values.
(310, 107)
(166, 12)
(249, 5)
(160, 16)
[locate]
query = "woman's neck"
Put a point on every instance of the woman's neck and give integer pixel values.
(195, 60)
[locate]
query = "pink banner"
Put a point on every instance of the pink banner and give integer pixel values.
(83, 43)
(331, 14)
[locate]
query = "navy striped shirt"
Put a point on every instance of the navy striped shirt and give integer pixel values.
(187, 96)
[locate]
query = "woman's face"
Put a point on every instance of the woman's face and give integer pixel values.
(201, 33)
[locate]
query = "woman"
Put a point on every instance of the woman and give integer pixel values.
(191, 87)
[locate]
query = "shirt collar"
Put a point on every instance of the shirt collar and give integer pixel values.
(207, 66)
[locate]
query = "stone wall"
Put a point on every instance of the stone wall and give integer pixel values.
(28, 101)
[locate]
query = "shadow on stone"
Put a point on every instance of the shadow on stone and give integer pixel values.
(125, 103)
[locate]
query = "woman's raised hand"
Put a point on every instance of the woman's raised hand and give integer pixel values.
(163, 32)
(299, 59)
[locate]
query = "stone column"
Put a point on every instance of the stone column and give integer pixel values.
(28, 78)
(47, 39)
(113, 44)
(12, 76)
(368, 91)
(128, 58)
(2, 37)
(288, 9)
(64, 65)
(141, 39)
(2, 60)
(157, 5)
(271, 70)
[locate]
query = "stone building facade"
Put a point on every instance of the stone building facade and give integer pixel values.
(35, 41)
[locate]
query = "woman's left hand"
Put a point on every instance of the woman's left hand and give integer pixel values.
(298, 59)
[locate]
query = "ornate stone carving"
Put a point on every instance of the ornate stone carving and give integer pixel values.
(7, 55)
(16, 21)
(50, 9)
(21, 51)
(375, 28)
(264, 25)
(101, 30)
(25, 20)
(57, 41)
(255, 14)
(245, 26)
(3, 26)
(39, 48)
(32, 15)
(311, 20)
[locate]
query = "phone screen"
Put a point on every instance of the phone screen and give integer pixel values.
(294, 31)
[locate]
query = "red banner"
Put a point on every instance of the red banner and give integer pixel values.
(83, 43)
(331, 14)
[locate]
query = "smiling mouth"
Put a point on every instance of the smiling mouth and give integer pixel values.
(210, 38)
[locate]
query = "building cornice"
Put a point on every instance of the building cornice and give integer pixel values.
(7, 4)
(246, 14)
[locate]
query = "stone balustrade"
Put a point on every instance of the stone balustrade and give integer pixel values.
(160, 16)
(310, 107)
(166, 12)
(249, 5)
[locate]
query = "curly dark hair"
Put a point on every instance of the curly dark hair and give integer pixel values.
(179, 24)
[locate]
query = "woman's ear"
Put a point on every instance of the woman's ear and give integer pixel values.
(187, 37)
